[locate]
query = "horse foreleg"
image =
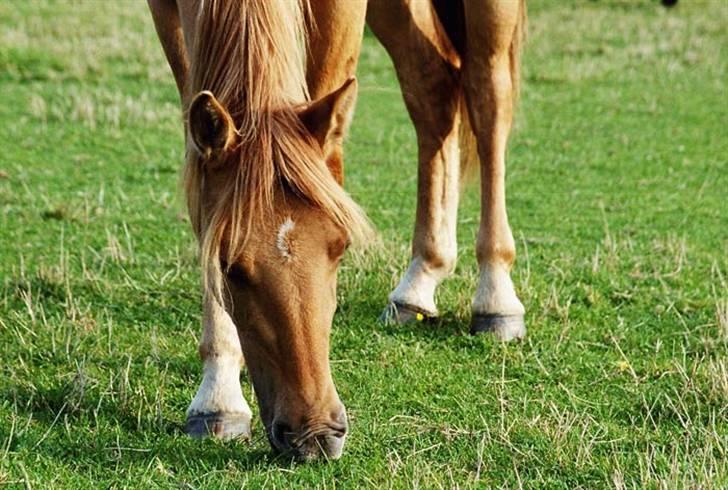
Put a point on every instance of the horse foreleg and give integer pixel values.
(425, 65)
(490, 79)
(334, 39)
(335, 32)
(219, 408)
(165, 14)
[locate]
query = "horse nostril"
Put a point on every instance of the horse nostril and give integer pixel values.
(338, 430)
(281, 433)
(341, 427)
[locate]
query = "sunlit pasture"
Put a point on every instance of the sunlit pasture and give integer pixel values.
(617, 178)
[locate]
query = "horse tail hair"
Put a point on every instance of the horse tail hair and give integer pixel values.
(469, 159)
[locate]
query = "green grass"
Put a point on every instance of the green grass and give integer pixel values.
(617, 198)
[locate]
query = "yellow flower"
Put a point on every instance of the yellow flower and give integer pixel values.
(623, 366)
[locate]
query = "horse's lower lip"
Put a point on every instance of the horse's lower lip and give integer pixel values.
(335, 446)
(329, 447)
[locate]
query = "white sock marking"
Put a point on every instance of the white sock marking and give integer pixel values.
(495, 293)
(220, 388)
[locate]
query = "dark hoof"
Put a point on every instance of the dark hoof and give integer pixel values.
(223, 426)
(504, 327)
(397, 313)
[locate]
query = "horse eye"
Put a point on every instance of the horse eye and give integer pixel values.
(235, 273)
(338, 247)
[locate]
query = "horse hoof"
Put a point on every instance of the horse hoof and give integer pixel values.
(503, 327)
(398, 313)
(224, 426)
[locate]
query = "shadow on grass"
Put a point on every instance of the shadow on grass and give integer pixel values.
(441, 328)
(365, 316)
(91, 436)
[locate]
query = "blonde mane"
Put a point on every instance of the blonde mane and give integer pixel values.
(251, 55)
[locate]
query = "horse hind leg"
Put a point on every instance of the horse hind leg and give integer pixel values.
(490, 78)
(219, 408)
(425, 63)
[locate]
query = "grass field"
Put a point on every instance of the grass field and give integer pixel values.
(617, 198)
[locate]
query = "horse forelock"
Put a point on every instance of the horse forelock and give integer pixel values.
(251, 55)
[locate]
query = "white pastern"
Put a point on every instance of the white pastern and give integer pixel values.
(220, 389)
(495, 293)
(417, 287)
(283, 243)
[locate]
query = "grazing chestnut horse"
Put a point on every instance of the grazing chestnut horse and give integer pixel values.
(268, 92)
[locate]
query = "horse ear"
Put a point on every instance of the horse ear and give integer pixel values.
(328, 120)
(210, 125)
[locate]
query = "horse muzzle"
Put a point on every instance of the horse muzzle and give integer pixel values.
(311, 441)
